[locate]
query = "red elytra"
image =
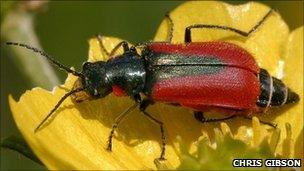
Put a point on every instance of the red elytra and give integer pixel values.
(232, 54)
(236, 87)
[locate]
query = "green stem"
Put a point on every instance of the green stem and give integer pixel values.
(17, 26)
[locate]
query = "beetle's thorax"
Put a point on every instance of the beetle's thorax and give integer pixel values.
(127, 71)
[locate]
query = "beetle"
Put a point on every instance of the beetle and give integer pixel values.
(202, 76)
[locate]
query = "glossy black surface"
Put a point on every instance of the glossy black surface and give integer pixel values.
(265, 88)
(94, 80)
(271, 86)
(126, 71)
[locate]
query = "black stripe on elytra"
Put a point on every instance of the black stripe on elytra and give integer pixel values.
(164, 66)
(170, 65)
(180, 71)
(158, 60)
(163, 59)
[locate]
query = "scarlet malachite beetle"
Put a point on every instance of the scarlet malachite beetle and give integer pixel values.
(201, 76)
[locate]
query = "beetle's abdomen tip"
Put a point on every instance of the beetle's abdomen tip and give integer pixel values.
(292, 97)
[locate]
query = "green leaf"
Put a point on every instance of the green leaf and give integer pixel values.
(18, 144)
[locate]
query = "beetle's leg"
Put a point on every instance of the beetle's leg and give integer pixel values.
(200, 117)
(124, 44)
(163, 137)
(171, 27)
(102, 47)
(143, 105)
(210, 26)
(118, 119)
(169, 35)
(272, 124)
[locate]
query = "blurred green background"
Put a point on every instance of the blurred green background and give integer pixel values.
(63, 29)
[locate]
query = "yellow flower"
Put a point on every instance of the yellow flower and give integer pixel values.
(76, 135)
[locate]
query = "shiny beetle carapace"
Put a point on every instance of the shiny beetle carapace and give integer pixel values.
(201, 76)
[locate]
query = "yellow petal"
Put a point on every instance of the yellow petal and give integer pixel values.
(195, 12)
(288, 143)
(264, 43)
(293, 77)
(76, 137)
(96, 54)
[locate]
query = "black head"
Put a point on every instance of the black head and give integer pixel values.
(95, 80)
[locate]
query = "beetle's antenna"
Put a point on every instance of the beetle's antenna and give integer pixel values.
(56, 107)
(48, 57)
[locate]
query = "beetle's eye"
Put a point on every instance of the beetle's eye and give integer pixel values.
(86, 65)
